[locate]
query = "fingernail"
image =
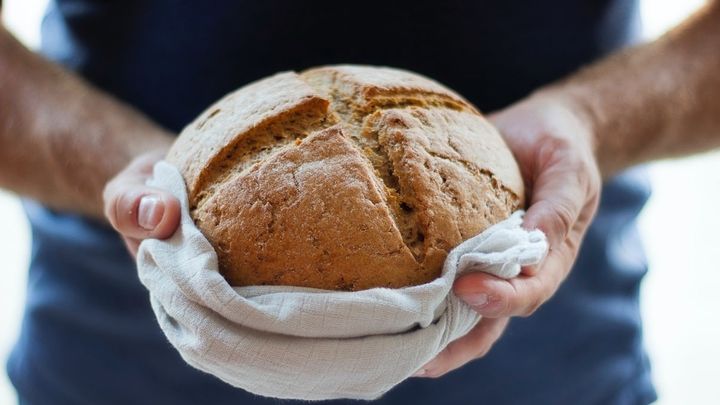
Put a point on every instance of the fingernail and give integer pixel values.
(150, 212)
(420, 373)
(477, 300)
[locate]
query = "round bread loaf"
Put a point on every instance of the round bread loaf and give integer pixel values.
(343, 178)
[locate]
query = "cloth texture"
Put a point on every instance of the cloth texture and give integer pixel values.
(311, 344)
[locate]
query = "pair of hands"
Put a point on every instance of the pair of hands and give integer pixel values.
(553, 145)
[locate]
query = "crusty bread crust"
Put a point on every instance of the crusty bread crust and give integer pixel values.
(343, 178)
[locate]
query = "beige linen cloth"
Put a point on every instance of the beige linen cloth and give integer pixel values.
(310, 344)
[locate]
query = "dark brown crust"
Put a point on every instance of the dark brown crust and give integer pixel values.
(357, 178)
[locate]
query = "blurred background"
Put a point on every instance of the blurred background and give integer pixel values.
(680, 225)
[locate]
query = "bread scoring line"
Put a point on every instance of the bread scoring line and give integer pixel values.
(353, 121)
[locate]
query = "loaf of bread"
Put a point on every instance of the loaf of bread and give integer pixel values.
(343, 178)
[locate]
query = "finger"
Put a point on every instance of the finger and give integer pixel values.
(559, 195)
(141, 212)
(475, 344)
(577, 231)
(494, 297)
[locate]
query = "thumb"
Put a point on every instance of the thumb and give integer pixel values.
(139, 212)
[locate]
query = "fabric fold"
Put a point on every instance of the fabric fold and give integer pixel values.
(310, 344)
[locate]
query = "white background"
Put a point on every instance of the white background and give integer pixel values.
(680, 225)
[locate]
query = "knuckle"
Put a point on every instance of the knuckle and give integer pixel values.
(552, 149)
(483, 349)
(503, 303)
(564, 216)
(506, 305)
(553, 141)
(536, 299)
(531, 308)
(560, 220)
(498, 305)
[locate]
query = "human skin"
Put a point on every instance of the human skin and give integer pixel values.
(62, 140)
(77, 149)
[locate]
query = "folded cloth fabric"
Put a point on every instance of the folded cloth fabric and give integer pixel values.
(311, 344)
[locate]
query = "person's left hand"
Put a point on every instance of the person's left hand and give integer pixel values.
(553, 144)
(138, 211)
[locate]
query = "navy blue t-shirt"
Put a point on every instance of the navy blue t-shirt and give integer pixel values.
(89, 336)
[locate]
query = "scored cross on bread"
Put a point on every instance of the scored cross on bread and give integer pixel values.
(343, 178)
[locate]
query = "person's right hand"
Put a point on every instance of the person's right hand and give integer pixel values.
(553, 143)
(138, 211)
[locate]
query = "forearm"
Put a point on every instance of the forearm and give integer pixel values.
(657, 100)
(60, 139)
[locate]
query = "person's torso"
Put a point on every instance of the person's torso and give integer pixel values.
(89, 335)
